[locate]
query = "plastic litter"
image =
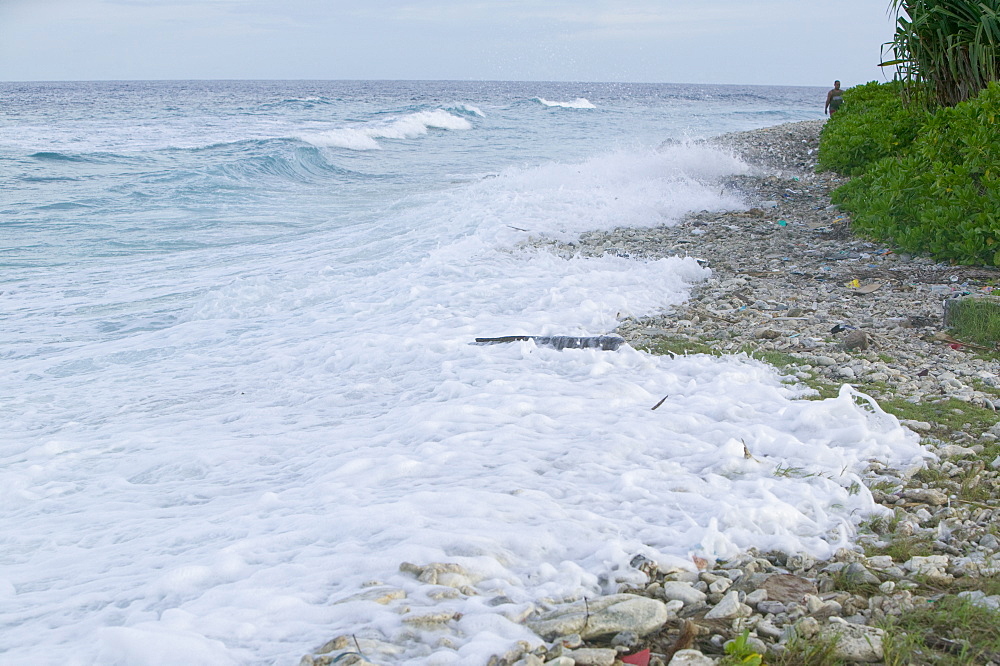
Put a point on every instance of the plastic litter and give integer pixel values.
(869, 288)
(640, 658)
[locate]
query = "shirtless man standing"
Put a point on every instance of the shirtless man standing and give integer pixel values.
(834, 99)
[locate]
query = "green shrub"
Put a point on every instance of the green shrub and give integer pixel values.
(942, 195)
(872, 124)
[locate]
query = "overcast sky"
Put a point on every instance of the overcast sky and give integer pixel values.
(776, 42)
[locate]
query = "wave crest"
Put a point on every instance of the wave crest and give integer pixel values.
(411, 126)
(578, 103)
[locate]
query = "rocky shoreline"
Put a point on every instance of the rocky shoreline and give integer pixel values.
(792, 285)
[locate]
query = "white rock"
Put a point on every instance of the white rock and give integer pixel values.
(854, 642)
(729, 607)
(928, 565)
(919, 426)
(720, 586)
(530, 660)
(979, 598)
(683, 592)
(561, 661)
(768, 629)
(674, 606)
(690, 658)
(602, 616)
(930, 496)
(880, 562)
(592, 656)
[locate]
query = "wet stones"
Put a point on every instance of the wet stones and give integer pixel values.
(605, 616)
(856, 340)
(786, 588)
(728, 608)
(683, 592)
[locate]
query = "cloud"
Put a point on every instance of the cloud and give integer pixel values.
(670, 40)
(600, 18)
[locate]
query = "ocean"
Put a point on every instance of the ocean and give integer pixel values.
(240, 386)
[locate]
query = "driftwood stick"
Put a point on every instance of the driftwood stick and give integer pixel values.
(604, 342)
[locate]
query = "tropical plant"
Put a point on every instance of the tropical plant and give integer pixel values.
(872, 124)
(942, 194)
(952, 45)
(740, 652)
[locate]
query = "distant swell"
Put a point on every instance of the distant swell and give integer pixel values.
(305, 164)
(364, 136)
(57, 157)
(578, 103)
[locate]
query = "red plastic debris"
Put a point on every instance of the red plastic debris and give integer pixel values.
(955, 345)
(639, 658)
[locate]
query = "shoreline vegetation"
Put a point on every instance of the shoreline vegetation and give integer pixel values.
(793, 285)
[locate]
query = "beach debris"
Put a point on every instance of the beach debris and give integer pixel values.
(869, 288)
(640, 658)
(604, 342)
(956, 344)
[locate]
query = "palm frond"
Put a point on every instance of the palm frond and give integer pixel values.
(945, 50)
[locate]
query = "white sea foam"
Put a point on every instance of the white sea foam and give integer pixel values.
(365, 136)
(578, 103)
(208, 455)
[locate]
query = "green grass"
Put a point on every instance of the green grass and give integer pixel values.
(975, 320)
(676, 346)
(983, 387)
(901, 548)
(885, 486)
(951, 414)
(789, 472)
(949, 631)
(806, 652)
(967, 484)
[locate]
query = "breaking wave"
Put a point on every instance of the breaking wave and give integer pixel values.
(365, 136)
(578, 103)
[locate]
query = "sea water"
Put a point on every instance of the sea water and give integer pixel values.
(240, 388)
